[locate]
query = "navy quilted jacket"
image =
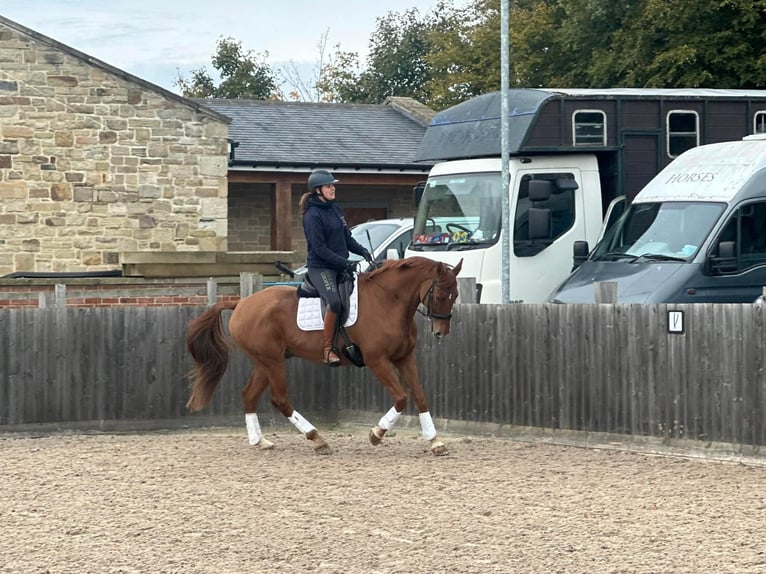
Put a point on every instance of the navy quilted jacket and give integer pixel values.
(328, 237)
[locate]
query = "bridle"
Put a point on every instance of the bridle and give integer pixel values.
(428, 302)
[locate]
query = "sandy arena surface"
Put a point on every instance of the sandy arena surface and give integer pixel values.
(203, 501)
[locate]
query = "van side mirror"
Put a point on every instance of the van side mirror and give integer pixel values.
(566, 184)
(580, 252)
(726, 260)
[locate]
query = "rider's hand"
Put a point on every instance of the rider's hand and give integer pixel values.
(350, 267)
(368, 257)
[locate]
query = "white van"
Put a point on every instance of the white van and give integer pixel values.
(696, 233)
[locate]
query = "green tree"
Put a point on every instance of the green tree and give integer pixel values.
(694, 43)
(243, 73)
(465, 54)
(397, 63)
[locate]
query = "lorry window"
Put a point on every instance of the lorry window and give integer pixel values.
(759, 123)
(673, 230)
(589, 128)
(459, 212)
(540, 218)
(747, 228)
(682, 131)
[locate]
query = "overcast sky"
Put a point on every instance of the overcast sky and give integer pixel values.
(152, 39)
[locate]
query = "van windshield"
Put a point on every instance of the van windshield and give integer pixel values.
(661, 231)
(459, 212)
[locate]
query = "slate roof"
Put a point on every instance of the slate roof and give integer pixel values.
(303, 135)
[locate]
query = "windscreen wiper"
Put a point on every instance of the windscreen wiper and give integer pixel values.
(660, 257)
(615, 256)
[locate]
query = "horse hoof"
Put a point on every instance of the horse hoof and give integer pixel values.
(376, 437)
(439, 448)
(323, 449)
(265, 444)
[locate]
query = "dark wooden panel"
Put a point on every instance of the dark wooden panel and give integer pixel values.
(597, 368)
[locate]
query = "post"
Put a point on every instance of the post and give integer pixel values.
(605, 291)
(245, 284)
(60, 295)
(212, 292)
(507, 225)
(466, 289)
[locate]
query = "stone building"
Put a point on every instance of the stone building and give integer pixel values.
(95, 162)
(101, 171)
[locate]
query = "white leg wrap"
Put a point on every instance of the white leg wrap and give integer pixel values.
(388, 420)
(300, 423)
(427, 424)
(253, 428)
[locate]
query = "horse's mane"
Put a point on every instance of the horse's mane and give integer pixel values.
(416, 262)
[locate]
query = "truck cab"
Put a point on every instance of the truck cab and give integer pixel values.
(553, 201)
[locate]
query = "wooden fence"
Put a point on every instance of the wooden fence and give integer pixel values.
(686, 371)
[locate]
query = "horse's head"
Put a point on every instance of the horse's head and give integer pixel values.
(440, 297)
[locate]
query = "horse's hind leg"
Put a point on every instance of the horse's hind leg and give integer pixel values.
(278, 379)
(251, 395)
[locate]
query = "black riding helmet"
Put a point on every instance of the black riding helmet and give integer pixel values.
(320, 177)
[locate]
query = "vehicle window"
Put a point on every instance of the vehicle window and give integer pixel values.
(538, 221)
(747, 227)
(372, 232)
(589, 128)
(459, 211)
(759, 123)
(669, 229)
(400, 243)
(682, 131)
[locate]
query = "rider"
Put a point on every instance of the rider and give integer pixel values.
(329, 242)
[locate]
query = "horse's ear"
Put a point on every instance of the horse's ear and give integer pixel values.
(457, 267)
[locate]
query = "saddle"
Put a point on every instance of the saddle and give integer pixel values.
(345, 288)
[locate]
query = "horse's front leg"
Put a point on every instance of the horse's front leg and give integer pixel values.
(408, 370)
(384, 371)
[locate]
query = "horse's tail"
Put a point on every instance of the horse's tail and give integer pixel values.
(209, 347)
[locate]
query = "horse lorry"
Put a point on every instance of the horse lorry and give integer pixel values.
(577, 158)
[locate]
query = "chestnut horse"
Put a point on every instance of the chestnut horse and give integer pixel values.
(264, 325)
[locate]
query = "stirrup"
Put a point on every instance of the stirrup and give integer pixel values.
(329, 360)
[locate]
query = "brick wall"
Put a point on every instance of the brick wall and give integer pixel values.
(95, 162)
(118, 292)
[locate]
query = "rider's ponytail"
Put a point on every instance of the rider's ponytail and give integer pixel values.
(304, 201)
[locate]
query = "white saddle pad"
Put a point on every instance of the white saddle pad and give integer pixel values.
(310, 311)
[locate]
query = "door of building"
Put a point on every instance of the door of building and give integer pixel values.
(355, 215)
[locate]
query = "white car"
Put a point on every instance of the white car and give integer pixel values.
(378, 236)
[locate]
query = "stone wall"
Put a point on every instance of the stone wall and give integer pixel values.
(95, 162)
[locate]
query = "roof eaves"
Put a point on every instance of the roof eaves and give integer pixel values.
(265, 165)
